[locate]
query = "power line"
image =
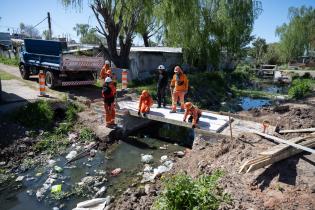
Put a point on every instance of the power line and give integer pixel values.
(39, 22)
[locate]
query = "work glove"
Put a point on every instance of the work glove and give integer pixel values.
(138, 113)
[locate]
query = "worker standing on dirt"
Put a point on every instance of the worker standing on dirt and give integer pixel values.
(108, 93)
(161, 86)
(145, 103)
(179, 87)
(194, 113)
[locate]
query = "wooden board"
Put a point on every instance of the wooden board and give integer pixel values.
(284, 142)
(306, 130)
(279, 148)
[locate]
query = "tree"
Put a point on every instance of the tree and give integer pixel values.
(298, 36)
(81, 29)
(260, 48)
(207, 28)
(117, 20)
(29, 31)
(273, 55)
(87, 35)
(46, 34)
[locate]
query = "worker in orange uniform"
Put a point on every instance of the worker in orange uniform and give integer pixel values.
(194, 113)
(179, 87)
(110, 74)
(105, 68)
(108, 93)
(145, 103)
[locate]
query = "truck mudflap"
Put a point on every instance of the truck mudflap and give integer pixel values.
(76, 83)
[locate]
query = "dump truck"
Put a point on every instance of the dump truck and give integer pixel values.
(60, 67)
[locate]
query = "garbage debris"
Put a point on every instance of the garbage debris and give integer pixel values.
(164, 158)
(100, 192)
(58, 169)
(51, 162)
(93, 152)
(72, 136)
(146, 158)
(179, 154)
(150, 175)
(19, 178)
(95, 204)
(116, 171)
(71, 155)
(56, 188)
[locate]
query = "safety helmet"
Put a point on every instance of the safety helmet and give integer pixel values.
(161, 67)
(109, 72)
(108, 80)
(145, 92)
(107, 62)
(177, 69)
(188, 105)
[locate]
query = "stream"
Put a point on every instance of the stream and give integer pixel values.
(125, 154)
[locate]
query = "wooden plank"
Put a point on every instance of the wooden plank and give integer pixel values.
(286, 154)
(248, 163)
(306, 130)
(277, 149)
(284, 142)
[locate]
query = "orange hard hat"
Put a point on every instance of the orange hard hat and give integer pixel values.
(188, 105)
(177, 69)
(145, 92)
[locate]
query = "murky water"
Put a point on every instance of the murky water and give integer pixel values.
(125, 154)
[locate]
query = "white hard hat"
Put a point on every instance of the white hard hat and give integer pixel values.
(161, 67)
(107, 62)
(108, 79)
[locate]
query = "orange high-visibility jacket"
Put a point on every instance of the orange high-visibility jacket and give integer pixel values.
(147, 100)
(193, 111)
(103, 73)
(181, 84)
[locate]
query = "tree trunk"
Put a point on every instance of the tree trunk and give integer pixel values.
(146, 40)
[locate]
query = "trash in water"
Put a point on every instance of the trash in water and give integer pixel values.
(164, 158)
(146, 158)
(58, 169)
(19, 178)
(56, 188)
(116, 171)
(71, 155)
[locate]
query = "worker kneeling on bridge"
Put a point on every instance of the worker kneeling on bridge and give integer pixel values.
(194, 113)
(145, 103)
(108, 93)
(179, 87)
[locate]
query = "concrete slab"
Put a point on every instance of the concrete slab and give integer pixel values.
(16, 90)
(209, 121)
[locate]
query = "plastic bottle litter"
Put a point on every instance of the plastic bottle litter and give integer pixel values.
(56, 188)
(146, 158)
(71, 155)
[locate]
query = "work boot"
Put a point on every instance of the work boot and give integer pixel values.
(182, 110)
(172, 111)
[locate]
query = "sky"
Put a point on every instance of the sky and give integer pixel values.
(31, 12)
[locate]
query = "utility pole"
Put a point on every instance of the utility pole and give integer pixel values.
(49, 26)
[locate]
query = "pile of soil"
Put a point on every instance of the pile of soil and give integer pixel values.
(288, 184)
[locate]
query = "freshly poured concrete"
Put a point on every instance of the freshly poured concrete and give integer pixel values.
(208, 121)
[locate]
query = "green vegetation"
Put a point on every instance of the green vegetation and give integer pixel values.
(86, 134)
(35, 115)
(300, 88)
(5, 76)
(183, 192)
(8, 61)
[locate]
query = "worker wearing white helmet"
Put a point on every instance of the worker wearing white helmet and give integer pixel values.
(161, 86)
(108, 93)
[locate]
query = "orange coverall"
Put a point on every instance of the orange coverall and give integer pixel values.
(194, 113)
(103, 73)
(145, 103)
(179, 84)
(109, 103)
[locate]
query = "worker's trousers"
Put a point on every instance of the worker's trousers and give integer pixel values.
(144, 108)
(175, 96)
(109, 113)
(161, 96)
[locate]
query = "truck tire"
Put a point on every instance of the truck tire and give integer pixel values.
(25, 72)
(50, 80)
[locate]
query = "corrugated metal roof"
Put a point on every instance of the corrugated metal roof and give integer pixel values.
(156, 49)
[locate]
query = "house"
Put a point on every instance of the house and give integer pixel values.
(5, 45)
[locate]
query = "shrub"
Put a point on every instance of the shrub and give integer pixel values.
(300, 88)
(87, 134)
(35, 115)
(183, 192)
(9, 61)
(71, 113)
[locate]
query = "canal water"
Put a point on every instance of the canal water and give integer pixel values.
(125, 154)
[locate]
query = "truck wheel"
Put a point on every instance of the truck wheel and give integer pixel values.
(50, 80)
(25, 72)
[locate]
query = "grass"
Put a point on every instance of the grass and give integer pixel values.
(183, 192)
(8, 61)
(253, 93)
(86, 134)
(6, 76)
